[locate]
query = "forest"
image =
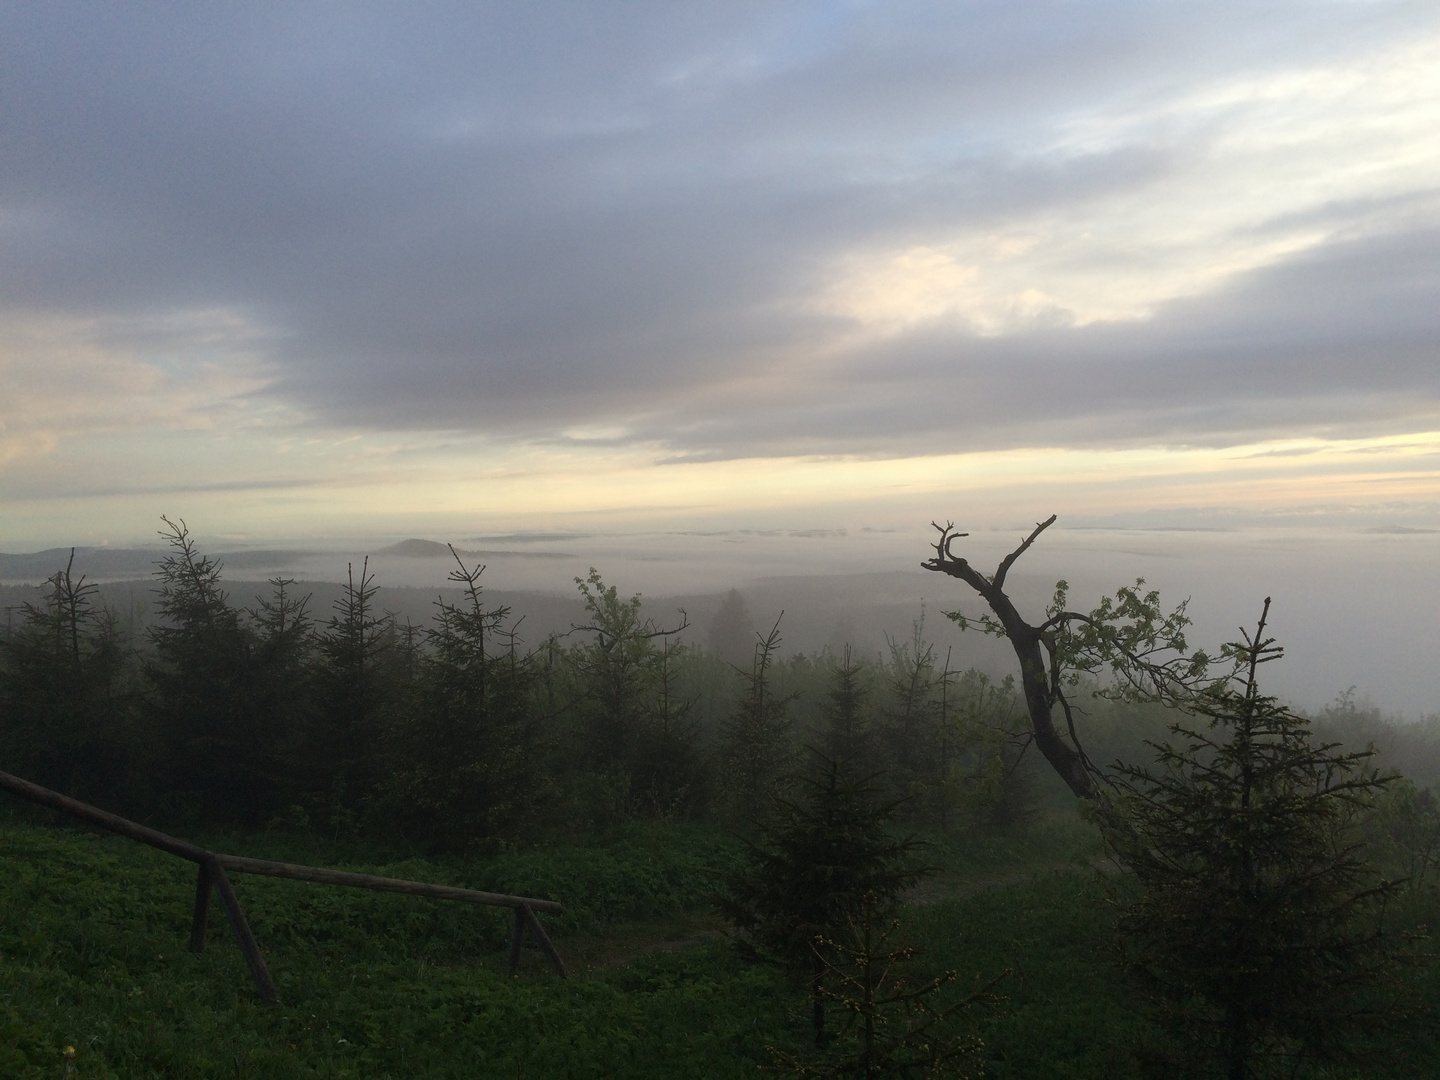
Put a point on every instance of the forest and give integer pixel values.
(1124, 859)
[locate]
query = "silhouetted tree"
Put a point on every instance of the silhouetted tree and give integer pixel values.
(617, 674)
(669, 772)
(848, 732)
(357, 677)
(463, 762)
(1258, 919)
(1142, 647)
(283, 657)
(756, 748)
(812, 866)
(64, 720)
(732, 630)
(911, 718)
(209, 692)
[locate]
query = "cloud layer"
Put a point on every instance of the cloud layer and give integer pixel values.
(723, 232)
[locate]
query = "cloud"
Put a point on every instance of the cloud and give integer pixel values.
(727, 232)
(67, 377)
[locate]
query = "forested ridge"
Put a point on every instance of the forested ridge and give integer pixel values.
(454, 733)
(828, 812)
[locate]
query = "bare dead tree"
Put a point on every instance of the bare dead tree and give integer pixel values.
(1128, 635)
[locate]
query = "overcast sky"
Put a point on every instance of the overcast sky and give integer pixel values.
(297, 269)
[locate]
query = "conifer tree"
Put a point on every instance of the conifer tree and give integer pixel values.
(670, 772)
(284, 676)
(911, 717)
(847, 735)
(756, 749)
(889, 1026)
(463, 758)
(815, 861)
(221, 742)
(356, 692)
(64, 721)
(1258, 920)
(988, 729)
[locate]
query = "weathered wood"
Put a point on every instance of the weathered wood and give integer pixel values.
(113, 822)
(544, 939)
(248, 945)
(212, 875)
(204, 885)
(517, 938)
(1027, 641)
(381, 884)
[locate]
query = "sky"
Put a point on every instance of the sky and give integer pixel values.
(298, 271)
(309, 268)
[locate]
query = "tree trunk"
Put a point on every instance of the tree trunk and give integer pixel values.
(1026, 641)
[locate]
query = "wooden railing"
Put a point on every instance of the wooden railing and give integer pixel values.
(213, 878)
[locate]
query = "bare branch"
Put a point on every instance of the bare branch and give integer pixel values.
(1009, 560)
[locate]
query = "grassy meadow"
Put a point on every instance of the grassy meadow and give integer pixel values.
(93, 955)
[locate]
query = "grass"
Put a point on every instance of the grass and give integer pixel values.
(93, 934)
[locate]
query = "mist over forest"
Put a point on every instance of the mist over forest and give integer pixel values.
(877, 541)
(1354, 603)
(699, 771)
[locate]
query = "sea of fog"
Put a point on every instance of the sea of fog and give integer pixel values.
(1357, 608)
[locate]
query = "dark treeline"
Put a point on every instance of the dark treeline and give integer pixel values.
(458, 732)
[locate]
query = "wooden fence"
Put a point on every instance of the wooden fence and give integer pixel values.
(213, 878)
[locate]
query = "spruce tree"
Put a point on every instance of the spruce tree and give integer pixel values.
(889, 1025)
(463, 763)
(1258, 921)
(356, 685)
(284, 677)
(756, 748)
(847, 735)
(815, 861)
(670, 775)
(221, 743)
(911, 717)
(64, 709)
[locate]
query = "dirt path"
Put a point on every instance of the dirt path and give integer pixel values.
(626, 942)
(943, 887)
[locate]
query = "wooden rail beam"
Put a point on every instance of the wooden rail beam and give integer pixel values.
(211, 873)
(106, 820)
(212, 876)
(242, 865)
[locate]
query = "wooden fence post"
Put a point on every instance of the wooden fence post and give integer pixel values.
(248, 945)
(212, 876)
(517, 935)
(204, 885)
(544, 940)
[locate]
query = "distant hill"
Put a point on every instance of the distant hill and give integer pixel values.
(418, 549)
(92, 561)
(429, 549)
(119, 563)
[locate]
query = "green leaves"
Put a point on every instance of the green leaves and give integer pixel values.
(1130, 636)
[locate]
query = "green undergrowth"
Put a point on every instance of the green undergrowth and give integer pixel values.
(93, 954)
